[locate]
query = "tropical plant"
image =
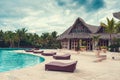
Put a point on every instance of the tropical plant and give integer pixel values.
(117, 27)
(54, 34)
(95, 41)
(35, 40)
(9, 37)
(111, 27)
(20, 38)
(1, 35)
(21, 34)
(103, 47)
(82, 46)
(115, 47)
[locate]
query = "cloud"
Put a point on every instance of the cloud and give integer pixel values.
(61, 2)
(81, 2)
(89, 5)
(48, 15)
(95, 5)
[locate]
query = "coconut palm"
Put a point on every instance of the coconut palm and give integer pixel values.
(9, 37)
(21, 38)
(54, 34)
(110, 27)
(36, 40)
(21, 33)
(117, 27)
(33, 39)
(95, 41)
(1, 35)
(45, 37)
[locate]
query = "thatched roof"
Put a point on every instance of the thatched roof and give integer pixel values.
(116, 15)
(91, 28)
(107, 36)
(86, 35)
(74, 35)
(92, 31)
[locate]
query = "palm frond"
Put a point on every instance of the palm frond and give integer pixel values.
(103, 24)
(117, 27)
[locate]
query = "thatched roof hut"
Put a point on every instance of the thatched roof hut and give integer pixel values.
(116, 15)
(74, 31)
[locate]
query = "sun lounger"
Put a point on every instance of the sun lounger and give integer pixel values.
(36, 51)
(62, 57)
(30, 50)
(36, 48)
(100, 59)
(59, 66)
(49, 54)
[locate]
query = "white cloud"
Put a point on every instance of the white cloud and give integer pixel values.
(46, 16)
(67, 12)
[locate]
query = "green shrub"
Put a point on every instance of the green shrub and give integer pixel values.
(82, 46)
(103, 47)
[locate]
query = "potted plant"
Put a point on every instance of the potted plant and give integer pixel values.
(83, 48)
(104, 49)
(77, 48)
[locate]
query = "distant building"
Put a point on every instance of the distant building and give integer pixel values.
(81, 33)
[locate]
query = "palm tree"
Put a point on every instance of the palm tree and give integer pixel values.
(110, 27)
(45, 37)
(1, 38)
(9, 37)
(118, 27)
(54, 43)
(34, 39)
(21, 33)
(1, 35)
(95, 41)
(54, 34)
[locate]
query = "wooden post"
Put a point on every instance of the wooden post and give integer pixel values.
(68, 46)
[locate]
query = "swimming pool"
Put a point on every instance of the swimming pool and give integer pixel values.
(11, 60)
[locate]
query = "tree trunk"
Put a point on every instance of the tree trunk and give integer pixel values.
(94, 45)
(111, 39)
(18, 43)
(10, 44)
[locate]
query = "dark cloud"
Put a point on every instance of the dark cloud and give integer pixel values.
(12, 14)
(80, 2)
(89, 5)
(61, 3)
(95, 5)
(11, 9)
(41, 12)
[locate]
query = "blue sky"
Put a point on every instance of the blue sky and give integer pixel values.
(40, 16)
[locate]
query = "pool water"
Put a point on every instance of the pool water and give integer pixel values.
(11, 60)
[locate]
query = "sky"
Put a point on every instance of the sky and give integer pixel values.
(39, 16)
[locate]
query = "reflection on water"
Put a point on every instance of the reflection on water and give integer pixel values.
(10, 60)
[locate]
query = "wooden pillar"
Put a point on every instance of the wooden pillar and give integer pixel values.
(109, 43)
(93, 46)
(61, 42)
(80, 42)
(68, 46)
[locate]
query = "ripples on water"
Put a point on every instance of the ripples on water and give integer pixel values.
(10, 60)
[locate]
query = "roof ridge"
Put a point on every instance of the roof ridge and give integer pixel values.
(83, 22)
(117, 15)
(91, 28)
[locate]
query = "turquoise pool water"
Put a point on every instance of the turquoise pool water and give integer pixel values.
(11, 60)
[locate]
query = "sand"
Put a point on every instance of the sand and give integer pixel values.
(86, 68)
